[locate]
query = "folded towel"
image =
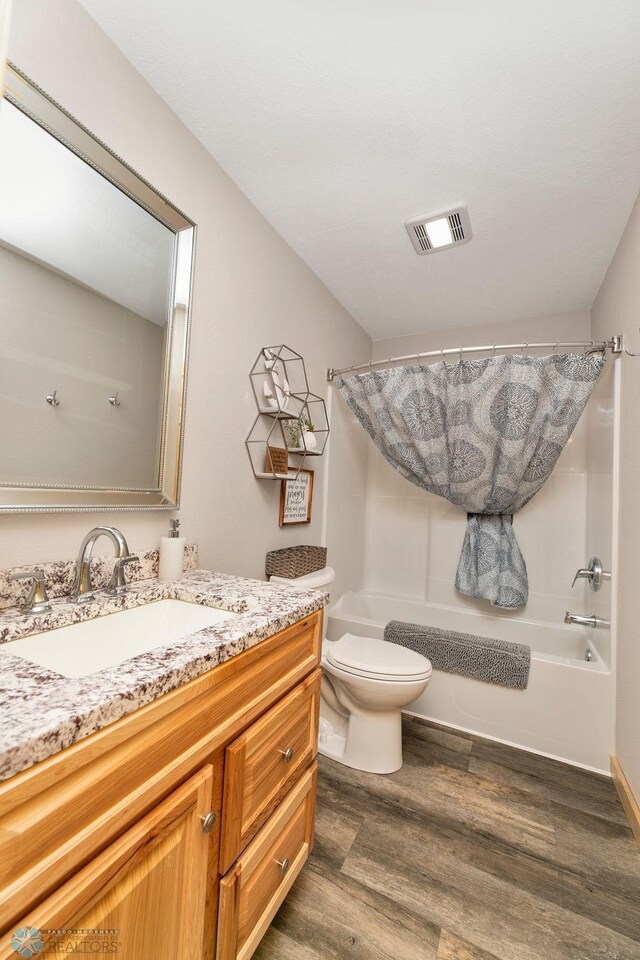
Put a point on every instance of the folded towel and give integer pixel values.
(495, 661)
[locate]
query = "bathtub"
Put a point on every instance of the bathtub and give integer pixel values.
(567, 710)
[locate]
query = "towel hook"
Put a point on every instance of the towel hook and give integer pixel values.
(630, 353)
(114, 400)
(493, 350)
(52, 399)
(460, 359)
(556, 346)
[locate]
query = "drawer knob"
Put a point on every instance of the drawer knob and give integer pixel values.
(284, 865)
(208, 822)
(287, 754)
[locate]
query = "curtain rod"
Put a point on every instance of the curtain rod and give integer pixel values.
(614, 344)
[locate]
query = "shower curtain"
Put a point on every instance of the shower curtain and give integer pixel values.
(483, 434)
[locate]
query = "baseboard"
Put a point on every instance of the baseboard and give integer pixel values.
(508, 743)
(627, 799)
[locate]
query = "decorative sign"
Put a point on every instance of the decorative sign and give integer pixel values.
(276, 460)
(296, 496)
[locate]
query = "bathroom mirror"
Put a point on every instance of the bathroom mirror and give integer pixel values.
(95, 289)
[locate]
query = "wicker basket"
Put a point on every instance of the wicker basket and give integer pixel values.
(294, 562)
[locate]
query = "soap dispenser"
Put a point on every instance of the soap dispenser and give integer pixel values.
(171, 565)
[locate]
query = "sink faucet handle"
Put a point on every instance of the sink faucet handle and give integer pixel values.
(37, 600)
(118, 584)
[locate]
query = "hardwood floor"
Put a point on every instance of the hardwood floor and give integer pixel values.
(472, 851)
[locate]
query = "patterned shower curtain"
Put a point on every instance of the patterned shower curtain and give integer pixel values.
(483, 434)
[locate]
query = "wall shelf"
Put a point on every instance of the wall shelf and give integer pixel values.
(286, 409)
(278, 414)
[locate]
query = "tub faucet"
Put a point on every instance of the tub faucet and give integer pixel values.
(82, 590)
(582, 621)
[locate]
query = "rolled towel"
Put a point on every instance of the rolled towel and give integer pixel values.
(495, 661)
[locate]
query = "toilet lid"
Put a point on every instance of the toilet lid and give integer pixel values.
(377, 658)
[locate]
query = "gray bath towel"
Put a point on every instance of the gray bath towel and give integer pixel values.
(495, 661)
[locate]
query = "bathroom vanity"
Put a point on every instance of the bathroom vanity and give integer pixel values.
(177, 829)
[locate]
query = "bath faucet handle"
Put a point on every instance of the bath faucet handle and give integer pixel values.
(37, 600)
(582, 574)
(594, 573)
(118, 584)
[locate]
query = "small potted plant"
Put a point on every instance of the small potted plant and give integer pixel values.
(300, 435)
(309, 439)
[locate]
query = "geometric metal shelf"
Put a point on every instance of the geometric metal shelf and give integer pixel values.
(290, 417)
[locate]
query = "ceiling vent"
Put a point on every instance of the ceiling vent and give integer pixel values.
(434, 232)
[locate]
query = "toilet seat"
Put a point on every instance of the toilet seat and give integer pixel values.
(309, 581)
(377, 659)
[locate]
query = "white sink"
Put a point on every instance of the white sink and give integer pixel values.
(84, 648)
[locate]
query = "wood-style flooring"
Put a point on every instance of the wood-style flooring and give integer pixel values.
(472, 851)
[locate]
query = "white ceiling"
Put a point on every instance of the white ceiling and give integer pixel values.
(342, 118)
(58, 210)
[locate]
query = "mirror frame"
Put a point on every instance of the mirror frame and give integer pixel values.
(24, 94)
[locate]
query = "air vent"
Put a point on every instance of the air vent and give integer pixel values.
(434, 232)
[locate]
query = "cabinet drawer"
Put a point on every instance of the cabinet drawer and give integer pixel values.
(263, 764)
(252, 891)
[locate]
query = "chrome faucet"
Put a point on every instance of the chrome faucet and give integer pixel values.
(37, 600)
(581, 621)
(82, 590)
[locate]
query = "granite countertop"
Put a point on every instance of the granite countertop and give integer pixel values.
(42, 712)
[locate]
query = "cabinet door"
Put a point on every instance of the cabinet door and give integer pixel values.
(254, 888)
(151, 886)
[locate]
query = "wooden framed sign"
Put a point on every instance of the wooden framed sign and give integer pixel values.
(276, 460)
(296, 497)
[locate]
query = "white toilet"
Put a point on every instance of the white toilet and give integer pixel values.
(365, 685)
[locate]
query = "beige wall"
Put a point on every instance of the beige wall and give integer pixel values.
(562, 326)
(250, 290)
(617, 310)
(58, 335)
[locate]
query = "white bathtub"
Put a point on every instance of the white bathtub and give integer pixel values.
(566, 712)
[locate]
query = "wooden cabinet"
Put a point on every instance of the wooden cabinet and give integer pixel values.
(256, 885)
(150, 886)
(108, 834)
